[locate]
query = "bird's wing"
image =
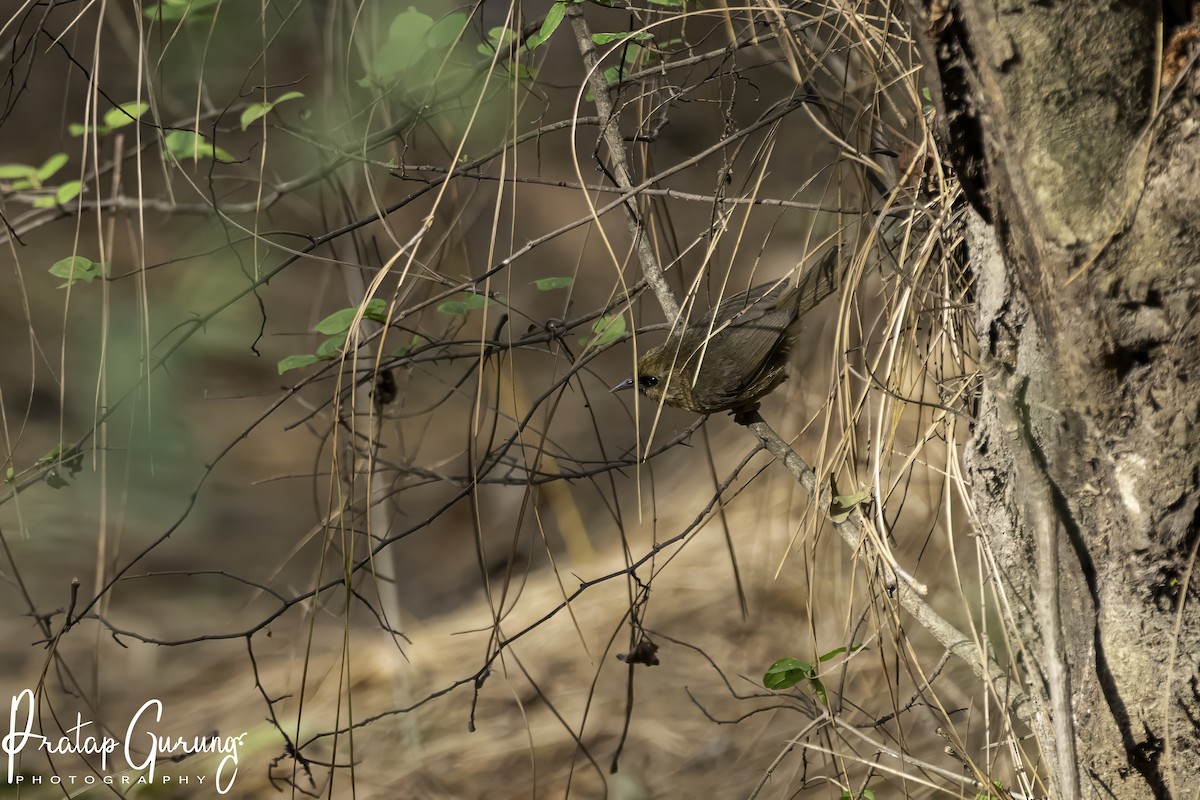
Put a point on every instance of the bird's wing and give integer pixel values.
(744, 305)
(742, 340)
(817, 283)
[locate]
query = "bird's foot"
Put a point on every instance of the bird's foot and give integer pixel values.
(746, 414)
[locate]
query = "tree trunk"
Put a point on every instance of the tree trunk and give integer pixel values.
(1084, 462)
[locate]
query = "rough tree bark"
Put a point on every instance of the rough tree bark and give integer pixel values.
(1084, 463)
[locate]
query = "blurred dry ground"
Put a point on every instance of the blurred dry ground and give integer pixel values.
(697, 724)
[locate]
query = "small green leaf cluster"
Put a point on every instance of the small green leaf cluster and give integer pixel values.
(418, 49)
(77, 268)
(119, 117)
(182, 145)
(842, 505)
(337, 327)
(466, 303)
(59, 460)
(633, 55)
(554, 18)
(28, 177)
(787, 672)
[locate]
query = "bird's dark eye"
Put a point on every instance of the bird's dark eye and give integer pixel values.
(647, 381)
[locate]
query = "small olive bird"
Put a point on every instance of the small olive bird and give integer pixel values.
(735, 354)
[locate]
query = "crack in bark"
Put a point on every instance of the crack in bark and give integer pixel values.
(1143, 756)
(961, 112)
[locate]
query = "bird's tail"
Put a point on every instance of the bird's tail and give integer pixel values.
(818, 283)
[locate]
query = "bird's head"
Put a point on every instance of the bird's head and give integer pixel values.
(654, 377)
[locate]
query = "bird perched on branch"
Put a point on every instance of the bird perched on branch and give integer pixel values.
(734, 355)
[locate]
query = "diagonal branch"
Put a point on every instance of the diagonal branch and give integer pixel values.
(619, 162)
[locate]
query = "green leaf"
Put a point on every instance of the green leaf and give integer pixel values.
(330, 347)
(68, 192)
(53, 164)
(254, 111)
(609, 38)
(70, 459)
(452, 307)
(446, 32)
(410, 26)
(124, 114)
(337, 322)
(606, 329)
(286, 96)
(76, 129)
(669, 3)
(474, 301)
(9, 474)
(831, 654)
(376, 310)
(548, 284)
(497, 39)
(77, 268)
(554, 18)
(501, 36)
(841, 505)
(188, 144)
(10, 171)
(787, 672)
(296, 362)
(405, 47)
(865, 794)
(391, 59)
(521, 72)
(44, 202)
(258, 110)
(465, 303)
(53, 455)
(837, 651)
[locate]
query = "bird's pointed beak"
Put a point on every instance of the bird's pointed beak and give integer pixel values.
(628, 383)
